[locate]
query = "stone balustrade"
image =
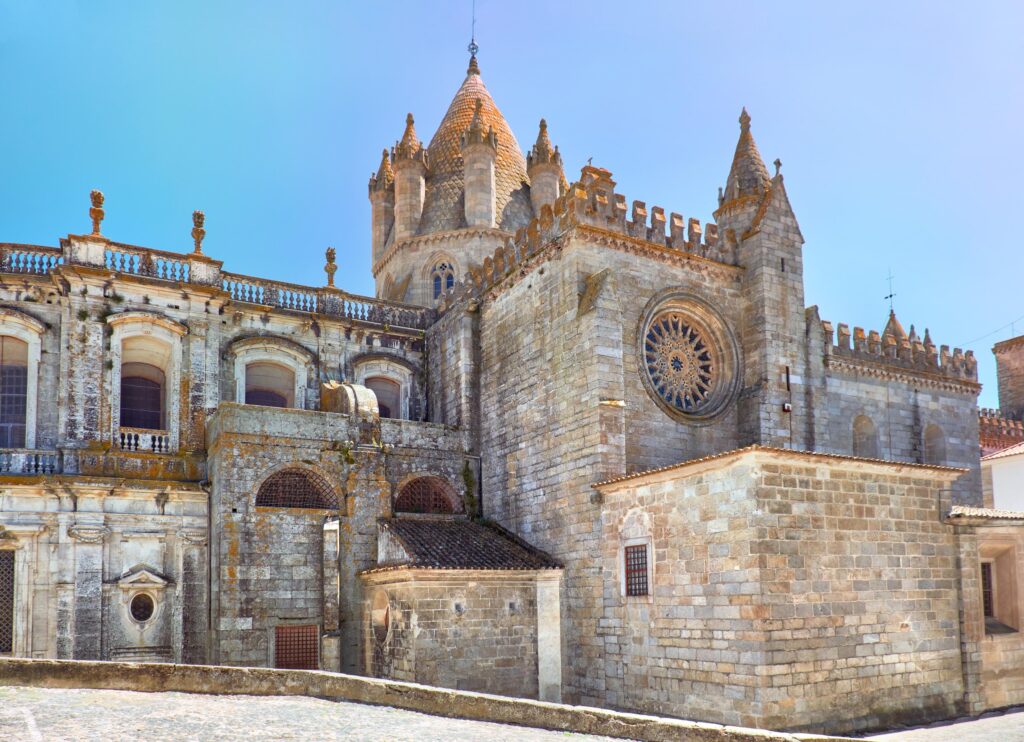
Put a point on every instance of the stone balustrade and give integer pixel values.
(144, 441)
(29, 461)
(197, 269)
(33, 259)
(167, 266)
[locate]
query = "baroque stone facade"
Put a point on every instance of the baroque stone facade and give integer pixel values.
(573, 450)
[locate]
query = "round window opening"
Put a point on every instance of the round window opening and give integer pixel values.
(688, 358)
(142, 607)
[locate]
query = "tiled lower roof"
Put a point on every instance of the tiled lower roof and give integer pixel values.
(819, 455)
(962, 511)
(457, 543)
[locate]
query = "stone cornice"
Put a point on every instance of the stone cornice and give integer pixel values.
(662, 253)
(435, 238)
(1005, 345)
(615, 241)
(862, 366)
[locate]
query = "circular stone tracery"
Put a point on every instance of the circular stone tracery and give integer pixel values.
(689, 360)
(680, 362)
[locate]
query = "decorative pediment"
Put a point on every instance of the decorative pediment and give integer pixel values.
(142, 575)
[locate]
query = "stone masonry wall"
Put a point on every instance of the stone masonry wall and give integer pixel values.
(1010, 376)
(812, 592)
(563, 406)
(466, 630)
(266, 562)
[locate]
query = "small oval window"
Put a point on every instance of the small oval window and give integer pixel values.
(142, 607)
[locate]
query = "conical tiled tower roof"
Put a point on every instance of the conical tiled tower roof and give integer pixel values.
(748, 175)
(445, 197)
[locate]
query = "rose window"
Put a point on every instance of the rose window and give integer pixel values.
(680, 362)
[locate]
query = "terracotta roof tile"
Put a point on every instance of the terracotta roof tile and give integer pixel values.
(444, 208)
(455, 543)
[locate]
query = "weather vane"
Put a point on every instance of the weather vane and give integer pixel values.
(473, 46)
(891, 292)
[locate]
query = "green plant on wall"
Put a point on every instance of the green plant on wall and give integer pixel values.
(469, 480)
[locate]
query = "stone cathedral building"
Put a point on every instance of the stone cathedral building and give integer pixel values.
(575, 449)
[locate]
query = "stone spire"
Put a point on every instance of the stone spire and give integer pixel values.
(894, 329)
(542, 152)
(409, 147)
(474, 68)
(410, 171)
(544, 166)
(475, 134)
(748, 176)
(385, 176)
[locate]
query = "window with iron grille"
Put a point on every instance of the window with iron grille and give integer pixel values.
(13, 391)
(636, 570)
(296, 488)
(297, 647)
(6, 601)
(986, 590)
(426, 495)
(142, 396)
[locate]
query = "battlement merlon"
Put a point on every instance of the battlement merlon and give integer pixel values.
(592, 201)
(900, 351)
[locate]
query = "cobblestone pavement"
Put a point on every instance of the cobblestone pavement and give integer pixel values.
(50, 715)
(1005, 726)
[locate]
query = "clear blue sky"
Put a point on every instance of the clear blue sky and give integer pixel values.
(898, 125)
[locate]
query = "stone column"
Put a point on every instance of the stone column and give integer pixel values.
(193, 595)
(549, 637)
(87, 641)
(330, 654)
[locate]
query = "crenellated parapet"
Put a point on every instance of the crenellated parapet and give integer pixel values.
(896, 352)
(996, 431)
(591, 202)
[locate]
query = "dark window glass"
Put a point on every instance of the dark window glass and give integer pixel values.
(986, 589)
(265, 398)
(141, 403)
(6, 600)
(142, 607)
(636, 570)
(437, 285)
(13, 388)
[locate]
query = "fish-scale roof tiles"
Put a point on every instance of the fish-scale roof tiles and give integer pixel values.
(444, 207)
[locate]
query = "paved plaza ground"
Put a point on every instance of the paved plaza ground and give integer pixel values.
(992, 727)
(51, 715)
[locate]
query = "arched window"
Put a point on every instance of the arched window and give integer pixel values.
(865, 438)
(142, 396)
(269, 384)
(13, 391)
(443, 278)
(389, 395)
(296, 488)
(934, 445)
(426, 495)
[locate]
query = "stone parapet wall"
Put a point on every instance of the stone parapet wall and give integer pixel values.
(437, 701)
(469, 630)
(816, 592)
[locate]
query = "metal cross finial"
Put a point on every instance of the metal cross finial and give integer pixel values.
(891, 292)
(473, 47)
